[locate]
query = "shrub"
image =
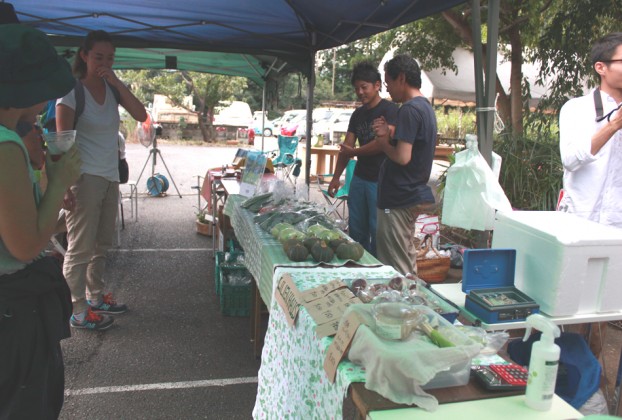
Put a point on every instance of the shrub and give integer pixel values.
(531, 170)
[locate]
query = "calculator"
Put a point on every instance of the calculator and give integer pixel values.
(510, 377)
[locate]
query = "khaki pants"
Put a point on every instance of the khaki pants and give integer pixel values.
(395, 236)
(90, 232)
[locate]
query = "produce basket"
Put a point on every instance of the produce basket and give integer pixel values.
(432, 270)
(233, 260)
(235, 297)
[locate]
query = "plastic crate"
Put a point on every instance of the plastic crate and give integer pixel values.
(235, 300)
(220, 257)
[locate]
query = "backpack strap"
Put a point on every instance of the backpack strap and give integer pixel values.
(79, 96)
(78, 93)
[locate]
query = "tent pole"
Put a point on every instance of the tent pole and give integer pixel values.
(485, 94)
(476, 29)
(263, 115)
(485, 144)
(310, 89)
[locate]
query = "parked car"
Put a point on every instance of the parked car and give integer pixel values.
(339, 125)
(289, 127)
(321, 116)
(268, 126)
(286, 118)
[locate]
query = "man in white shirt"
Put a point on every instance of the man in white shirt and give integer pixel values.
(590, 129)
(591, 141)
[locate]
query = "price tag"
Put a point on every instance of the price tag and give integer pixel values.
(288, 297)
(321, 291)
(339, 347)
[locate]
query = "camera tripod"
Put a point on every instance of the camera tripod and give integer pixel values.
(153, 154)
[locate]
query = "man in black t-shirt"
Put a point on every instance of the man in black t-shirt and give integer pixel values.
(403, 192)
(364, 185)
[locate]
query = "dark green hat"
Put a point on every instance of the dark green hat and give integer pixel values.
(31, 71)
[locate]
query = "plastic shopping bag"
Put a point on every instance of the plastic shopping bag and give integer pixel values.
(472, 191)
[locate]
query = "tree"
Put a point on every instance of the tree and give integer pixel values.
(207, 91)
(555, 33)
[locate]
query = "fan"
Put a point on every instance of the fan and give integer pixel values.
(146, 132)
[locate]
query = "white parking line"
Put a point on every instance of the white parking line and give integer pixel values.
(163, 385)
(162, 250)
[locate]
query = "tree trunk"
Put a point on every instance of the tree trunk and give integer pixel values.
(516, 78)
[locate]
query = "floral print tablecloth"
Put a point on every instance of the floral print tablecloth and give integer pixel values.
(292, 382)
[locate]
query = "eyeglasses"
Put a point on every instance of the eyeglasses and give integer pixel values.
(616, 60)
(609, 114)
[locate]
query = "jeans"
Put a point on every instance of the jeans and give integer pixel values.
(362, 213)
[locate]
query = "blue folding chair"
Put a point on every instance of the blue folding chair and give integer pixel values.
(337, 204)
(287, 161)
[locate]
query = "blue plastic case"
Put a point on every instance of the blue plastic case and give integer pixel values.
(488, 281)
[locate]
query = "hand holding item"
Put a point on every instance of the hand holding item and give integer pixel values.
(380, 127)
(333, 186)
(108, 75)
(66, 170)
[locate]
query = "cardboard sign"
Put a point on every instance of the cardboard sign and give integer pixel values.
(327, 329)
(321, 291)
(331, 306)
(288, 297)
(338, 348)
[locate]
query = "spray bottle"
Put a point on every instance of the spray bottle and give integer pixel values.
(543, 363)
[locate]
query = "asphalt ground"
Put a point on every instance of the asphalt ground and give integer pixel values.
(174, 355)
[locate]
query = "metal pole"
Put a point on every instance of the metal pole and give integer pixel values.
(263, 114)
(476, 29)
(485, 144)
(310, 88)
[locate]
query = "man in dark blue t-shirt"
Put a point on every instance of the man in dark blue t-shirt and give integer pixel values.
(362, 196)
(403, 192)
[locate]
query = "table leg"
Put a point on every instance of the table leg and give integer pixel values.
(321, 163)
(617, 409)
(255, 320)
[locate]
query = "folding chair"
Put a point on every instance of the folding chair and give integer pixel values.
(287, 161)
(337, 204)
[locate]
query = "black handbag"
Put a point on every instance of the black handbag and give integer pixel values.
(124, 171)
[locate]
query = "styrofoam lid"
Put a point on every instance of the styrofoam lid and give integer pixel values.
(566, 228)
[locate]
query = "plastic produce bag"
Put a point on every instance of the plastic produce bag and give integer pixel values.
(472, 190)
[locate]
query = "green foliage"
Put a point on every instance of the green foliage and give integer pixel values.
(206, 89)
(531, 171)
(454, 123)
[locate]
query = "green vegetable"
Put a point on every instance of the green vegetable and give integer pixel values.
(334, 243)
(289, 243)
(256, 202)
(310, 241)
(329, 235)
(276, 230)
(350, 251)
(290, 233)
(322, 252)
(297, 252)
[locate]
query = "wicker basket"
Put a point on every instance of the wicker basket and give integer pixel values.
(432, 270)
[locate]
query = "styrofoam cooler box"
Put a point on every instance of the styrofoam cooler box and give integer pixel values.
(567, 264)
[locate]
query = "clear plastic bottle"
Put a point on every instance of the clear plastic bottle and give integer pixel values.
(543, 363)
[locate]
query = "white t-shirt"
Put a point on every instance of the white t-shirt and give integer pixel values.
(97, 134)
(592, 183)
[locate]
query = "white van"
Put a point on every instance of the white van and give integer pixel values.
(236, 113)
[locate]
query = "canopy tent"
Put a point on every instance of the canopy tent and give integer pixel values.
(230, 64)
(281, 35)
